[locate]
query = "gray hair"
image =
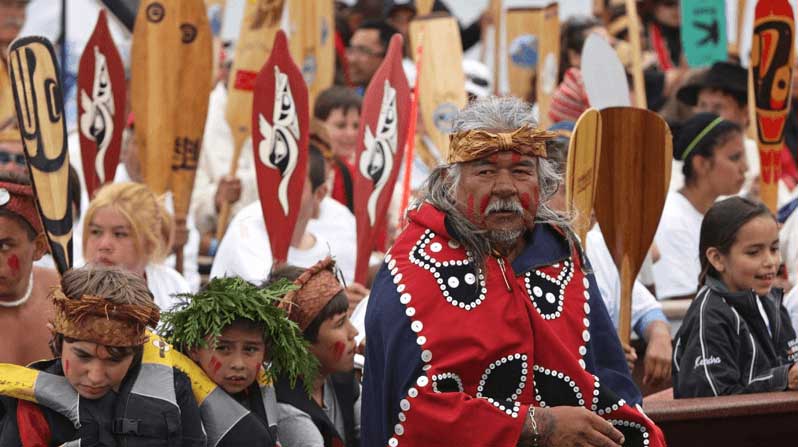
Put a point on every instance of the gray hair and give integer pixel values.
(496, 114)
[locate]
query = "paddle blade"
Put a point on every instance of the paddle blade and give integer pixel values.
(582, 172)
(101, 106)
(7, 113)
(382, 137)
(258, 27)
(280, 123)
(190, 108)
(441, 86)
(603, 75)
(772, 56)
(312, 26)
(40, 110)
(634, 175)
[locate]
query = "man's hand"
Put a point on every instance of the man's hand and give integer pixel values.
(792, 378)
(229, 191)
(631, 356)
(658, 354)
(570, 426)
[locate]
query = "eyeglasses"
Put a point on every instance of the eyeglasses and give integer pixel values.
(8, 157)
(366, 51)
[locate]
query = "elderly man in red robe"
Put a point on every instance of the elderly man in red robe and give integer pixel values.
(485, 326)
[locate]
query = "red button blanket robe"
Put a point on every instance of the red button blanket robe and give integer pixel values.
(477, 354)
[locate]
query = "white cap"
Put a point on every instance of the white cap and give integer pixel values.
(478, 79)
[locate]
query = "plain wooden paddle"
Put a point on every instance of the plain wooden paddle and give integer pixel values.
(634, 175)
(582, 172)
(638, 83)
(772, 59)
(40, 110)
(259, 25)
(441, 88)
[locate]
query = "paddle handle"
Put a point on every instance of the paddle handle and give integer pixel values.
(226, 207)
(770, 172)
(628, 275)
(637, 62)
(496, 10)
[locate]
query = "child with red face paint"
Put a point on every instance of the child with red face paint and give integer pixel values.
(24, 307)
(331, 415)
(737, 336)
(231, 329)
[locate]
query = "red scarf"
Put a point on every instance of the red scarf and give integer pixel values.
(660, 47)
(503, 350)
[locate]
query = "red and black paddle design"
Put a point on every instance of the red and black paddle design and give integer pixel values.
(101, 106)
(772, 55)
(280, 120)
(383, 132)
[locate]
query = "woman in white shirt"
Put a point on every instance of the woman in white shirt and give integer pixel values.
(127, 226)
(713, 153)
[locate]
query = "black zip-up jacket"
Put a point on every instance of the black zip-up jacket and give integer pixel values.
(723, 346)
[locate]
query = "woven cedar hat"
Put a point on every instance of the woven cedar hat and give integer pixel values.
(318, 285)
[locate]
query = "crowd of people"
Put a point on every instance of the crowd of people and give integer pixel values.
(483, 321)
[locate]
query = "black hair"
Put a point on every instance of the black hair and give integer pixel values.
(684, 135)
(720, 227)
(17, 179)
(317, 171)
(336, 306)
(336, 97)
(385, 29)
(573, 37)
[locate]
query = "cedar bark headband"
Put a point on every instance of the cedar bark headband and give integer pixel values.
(19, 199)
(95, 319)
(475, 144)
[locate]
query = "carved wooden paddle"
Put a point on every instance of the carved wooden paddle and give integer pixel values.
(102, 96)
(171, 83)
(258, 27)
(383, 133)
(40, 111)
(772, 58)
(582, 172)
(280, 134)
(634, 175)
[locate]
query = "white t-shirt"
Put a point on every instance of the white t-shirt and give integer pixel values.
(245, 250)
(788, 243)
(790, 302)
(164, 282)
(676, 272)
(609, 281)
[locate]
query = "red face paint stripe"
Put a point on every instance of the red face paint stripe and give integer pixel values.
(13, 263)
(215, 364)
(338, 350)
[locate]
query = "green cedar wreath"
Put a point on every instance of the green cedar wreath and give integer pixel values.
(204, 315)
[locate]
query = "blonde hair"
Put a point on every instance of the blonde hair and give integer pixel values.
(152, 225)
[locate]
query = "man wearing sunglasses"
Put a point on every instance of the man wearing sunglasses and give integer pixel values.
(366, 50)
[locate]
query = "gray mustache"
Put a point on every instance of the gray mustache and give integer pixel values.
(504, 205)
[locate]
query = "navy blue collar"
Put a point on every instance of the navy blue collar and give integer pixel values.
(544, 246)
